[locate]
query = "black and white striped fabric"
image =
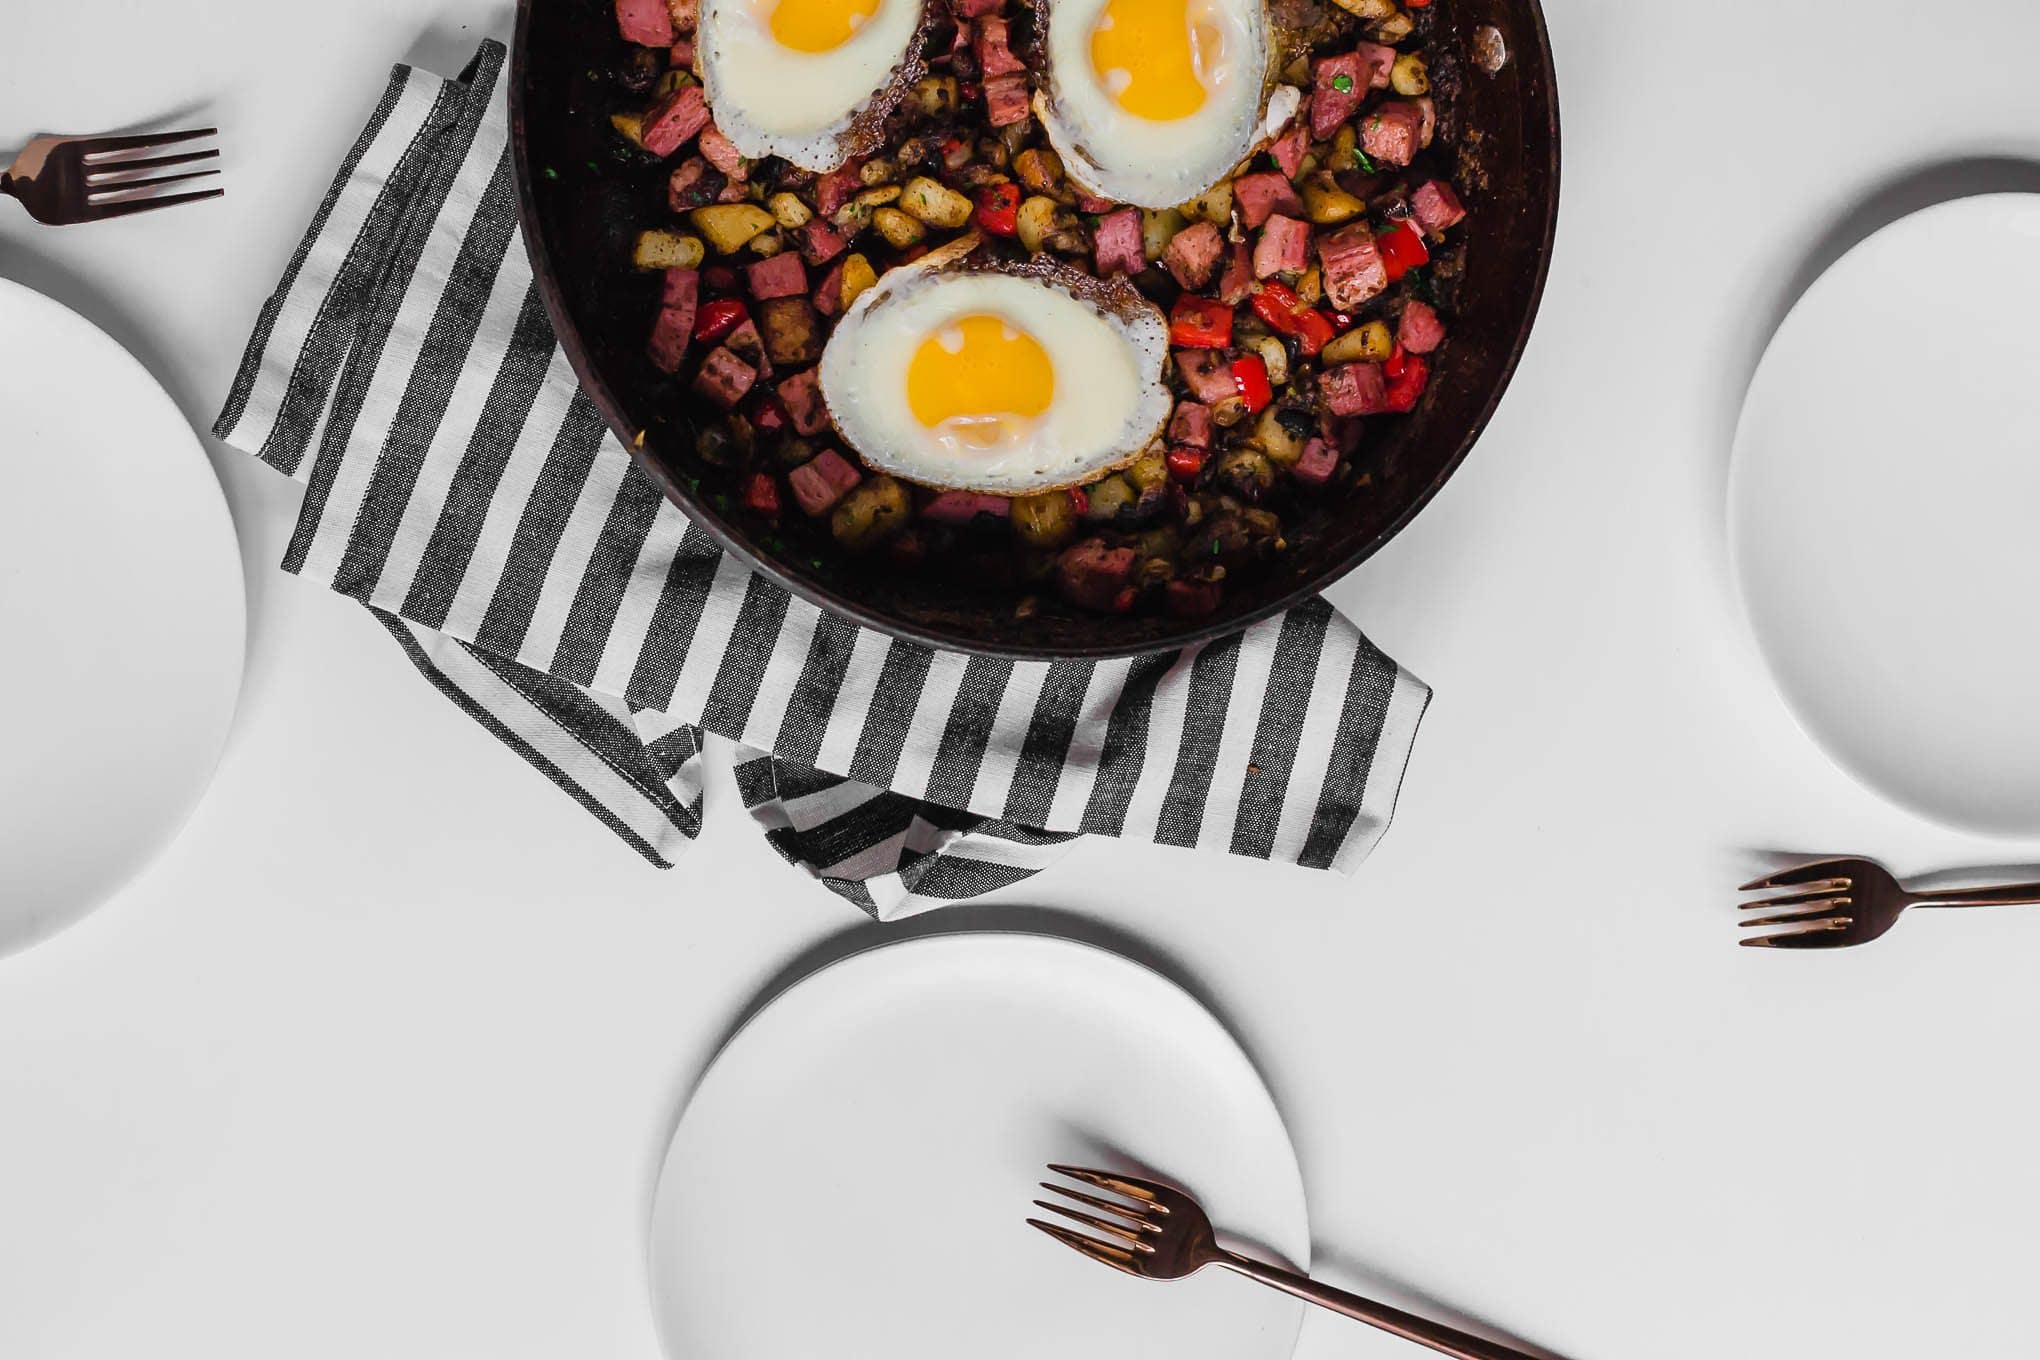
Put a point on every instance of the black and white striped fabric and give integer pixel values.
(460, 485)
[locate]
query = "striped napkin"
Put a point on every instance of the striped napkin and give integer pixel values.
(460, 485)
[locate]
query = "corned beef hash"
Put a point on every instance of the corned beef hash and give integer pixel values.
(1084, 297)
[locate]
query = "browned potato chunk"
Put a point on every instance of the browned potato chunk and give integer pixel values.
(936, 204)
(792, 331)
(1038, 169)
(858, 275)
(666, 250)
(1048, 520)
(729, 227)
(874, 512)
(899, 230)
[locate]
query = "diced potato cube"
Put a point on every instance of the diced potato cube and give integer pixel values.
(1048, 520)
(878, 195)
(766, 244)
(871, 514)
(666, 250)
(1039, 169)
(729, 227)
(1311, 287)
(1371, 343)
(1214, 205)
(899, 230)
(1325, 203)
(935, 96)
(1282, 447)
(1394, 28)
(789, 211)
(1158, 226)
(878, 170)
(858, 275)
(1275, 357)
(1410, 75)
(1369, 9)
(1036, 221)
(631, 126)
(1150, 470)
(936, 204)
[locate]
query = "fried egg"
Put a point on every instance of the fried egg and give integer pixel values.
(809, 80)
(1151, 102)
(973, 375)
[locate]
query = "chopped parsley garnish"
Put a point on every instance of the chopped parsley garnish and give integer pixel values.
(1343, 84)
(551, 173)
(1366, 162)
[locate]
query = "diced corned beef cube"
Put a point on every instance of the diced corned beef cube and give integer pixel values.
(820, 242)
(1379, 61)
(646, 22)
(667, 348)
(734, 190)
(1207, 374)
(781, 275)
(1193, 254)
(1329, 104)
(1320, 460)
(1118, 243)
(1421, 330)
(1354, 390)
(1238, 284)
(1343, 433)
(748, 344)
(724, 378)
(961, 507)
(1263, 194)
(1289, 149)
(838, 187)
(995, 57)
(1191, 424)
(686, 13)
(682, 56)
(682, 289)
(692, 185)
(1006, 99)
(1091, 203)
(1436, 207)
(822, 481)
(722, 153)
(1354, 271)
(674, 119)
(768, 416)
(718, 280)
(1192, 599)
(1092, 575)
(1393, 133)
(1428, 107)
(801, 395)
(828, 294)
(975, 9)
(1284, 248)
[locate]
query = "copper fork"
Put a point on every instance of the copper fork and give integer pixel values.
(1159, 1233)
(1836, 903)
(65, 180)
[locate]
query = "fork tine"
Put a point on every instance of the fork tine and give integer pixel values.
(146, 141)
(1126, 1211)
(1117, 1257)
(141, 205)
(1147, 1192)
(108, 170)
(1799, 874)
(1821, 935)
(1131, 1236)
(1814, 911)
(119, 191)
(1827, 888)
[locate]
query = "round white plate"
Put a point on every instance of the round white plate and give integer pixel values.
(853, 1176)
(122, 610)
(1885, 512)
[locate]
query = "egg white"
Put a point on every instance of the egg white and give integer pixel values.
(1109, 399)
(1158, 164)
(773, 101)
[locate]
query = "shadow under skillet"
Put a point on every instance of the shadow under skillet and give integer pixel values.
(1900, 196)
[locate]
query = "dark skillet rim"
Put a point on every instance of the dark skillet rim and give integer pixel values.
(732, 538)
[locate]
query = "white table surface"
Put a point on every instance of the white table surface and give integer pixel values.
(376, 1064)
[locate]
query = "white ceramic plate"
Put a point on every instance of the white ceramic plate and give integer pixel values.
(122, 610)
(1885, 512)
(851, 1179)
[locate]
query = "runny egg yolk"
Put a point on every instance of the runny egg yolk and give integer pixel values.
(819, 25)
(979, 379)
(1153, 58)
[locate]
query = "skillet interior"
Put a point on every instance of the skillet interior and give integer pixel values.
(582, 203)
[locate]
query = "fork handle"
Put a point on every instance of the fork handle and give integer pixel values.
(1408, 1326)
(2013, 895)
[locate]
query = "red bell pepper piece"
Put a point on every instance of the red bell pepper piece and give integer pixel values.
(1402, 249)
(718, 318)
(1287, 314)
(1081, 499)
(1185, 462)
(761, 494)
(1250, 380)
(1314, 330)
(1406, 388)
(1200, 323)
(998, 209)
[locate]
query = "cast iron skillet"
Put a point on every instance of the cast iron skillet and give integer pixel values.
(582, 202)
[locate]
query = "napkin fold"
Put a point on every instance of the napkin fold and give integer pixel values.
(461, 486)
